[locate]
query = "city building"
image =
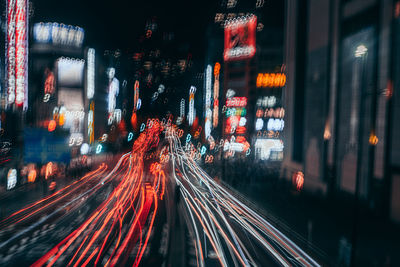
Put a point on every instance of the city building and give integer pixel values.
(341, 99)
(245, 49)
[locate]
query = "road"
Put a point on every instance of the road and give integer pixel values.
(155, 207)
(224, 230)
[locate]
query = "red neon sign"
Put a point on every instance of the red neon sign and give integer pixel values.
(16, 51)
(240, 38)
(49, 82)
(236, 102)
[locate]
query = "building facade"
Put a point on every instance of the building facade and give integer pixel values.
(341, 99)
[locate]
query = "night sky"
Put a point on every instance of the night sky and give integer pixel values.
(119, 23)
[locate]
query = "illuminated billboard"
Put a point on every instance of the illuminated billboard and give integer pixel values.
(235, 126)
(240, 38)
(17, 52)
(58, 34)
(70, 72)
(269, 126)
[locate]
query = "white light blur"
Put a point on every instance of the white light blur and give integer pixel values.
(90, 73)
(70, 72)
(182, 108)
(360, 51)
(113, 91)
(230, 93)
(75, 139)
(58, 34)
(259, 124)
(242, 121)
(267, 101)
(208, 112)
(275, 125)
(267, 146)
(84, 149)
(161, 89)
(11, 179)
(110, 73)
(191, 113)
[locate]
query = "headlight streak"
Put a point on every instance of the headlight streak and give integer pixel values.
(213, 206)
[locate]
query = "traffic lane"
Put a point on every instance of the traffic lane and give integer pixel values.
(44, 236)
(38, 232)
(63, 195)
(131, 242)
(37, 208)
(279, 251)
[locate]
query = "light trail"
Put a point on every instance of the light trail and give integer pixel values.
(225, 220)
(113, 231)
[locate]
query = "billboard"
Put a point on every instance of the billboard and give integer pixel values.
(240, 38)
(70, 72)
(58, 34)
(42, 147)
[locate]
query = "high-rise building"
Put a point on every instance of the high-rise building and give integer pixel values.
(341, 102)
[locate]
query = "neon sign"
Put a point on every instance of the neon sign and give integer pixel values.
(130, 136)
(266, 101)
(99, 148)
(91, 123)
(208, 119)
(49, 82)
(17, 52)
(191, 113)
(58, 34)
(90, 73)
(236, 102)
(182, 108)
(136, 96)
(240, 38)
(113, 91)
(217, 68)
(271, 80)
(235, 112)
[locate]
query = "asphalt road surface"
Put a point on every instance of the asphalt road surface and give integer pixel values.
(155, 207)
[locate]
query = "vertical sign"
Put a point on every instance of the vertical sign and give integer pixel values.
(191, 113)
(217, 68)
(17, 52)
(91, 123)
(208, 119)
(182, 108)
(136, 96)
(10, 57)
(90, 73)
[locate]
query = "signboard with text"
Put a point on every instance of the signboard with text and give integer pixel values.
(240, 38)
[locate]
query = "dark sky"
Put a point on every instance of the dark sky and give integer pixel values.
(118, 23)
